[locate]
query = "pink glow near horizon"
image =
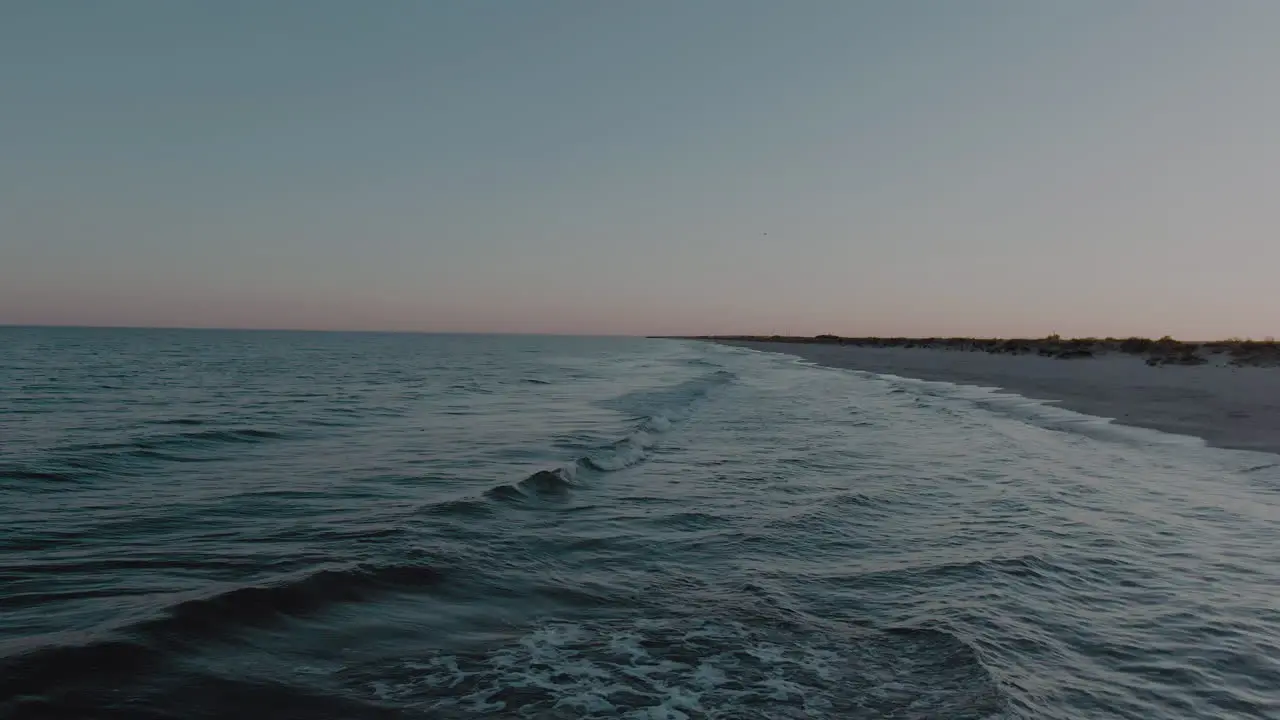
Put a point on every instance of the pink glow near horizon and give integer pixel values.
(1088, 169)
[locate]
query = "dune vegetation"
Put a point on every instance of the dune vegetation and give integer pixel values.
(1163, 351)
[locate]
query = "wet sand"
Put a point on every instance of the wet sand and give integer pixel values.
(1227, 406)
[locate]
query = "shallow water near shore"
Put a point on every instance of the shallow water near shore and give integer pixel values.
(315, 525)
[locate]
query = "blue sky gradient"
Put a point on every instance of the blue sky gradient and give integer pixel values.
(988, 167)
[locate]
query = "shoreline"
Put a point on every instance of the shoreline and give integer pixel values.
(1230, 406)
(1165, 351)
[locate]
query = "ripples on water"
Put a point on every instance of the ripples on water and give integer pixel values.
(206, 524)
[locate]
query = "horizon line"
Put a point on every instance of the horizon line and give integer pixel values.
(370, 331)
(761, 337)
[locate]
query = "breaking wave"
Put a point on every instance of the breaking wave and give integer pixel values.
(661, 410)
(540, 484)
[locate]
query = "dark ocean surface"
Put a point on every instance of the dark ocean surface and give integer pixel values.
(206, 524)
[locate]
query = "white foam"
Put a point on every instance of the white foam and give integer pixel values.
(633, 448)
(1043, 413)
(677, 668)
(659, 423)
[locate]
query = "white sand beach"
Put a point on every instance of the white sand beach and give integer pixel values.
(1227, 406)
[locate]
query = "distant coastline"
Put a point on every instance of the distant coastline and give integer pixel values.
(1163, 351)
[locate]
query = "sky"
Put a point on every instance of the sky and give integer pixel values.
(997, 168)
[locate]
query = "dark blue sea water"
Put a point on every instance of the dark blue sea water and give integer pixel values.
(309, 525)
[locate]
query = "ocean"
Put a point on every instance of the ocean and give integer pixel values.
(209, 524)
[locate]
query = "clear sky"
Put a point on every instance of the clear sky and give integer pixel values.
(1022, 167)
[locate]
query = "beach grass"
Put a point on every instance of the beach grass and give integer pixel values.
(1162, 351)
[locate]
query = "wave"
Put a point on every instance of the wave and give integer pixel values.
(548, 481)
(170, 457)
(57, 666)
(855, 499)
(61, 667)
(461, 508)
(663, 409)
(540, 484)
(660, 410)
(204, 695)
(186, 422)
(23, 474)
(619, 455)
(1259, 468)
(673, 401)
(504, 492)
(1023, 568)
(623, 453)
(85, 462)
(208, 437)
(296, 597)
(691, 520)
(948, 672)
(559, 481)
(184, 439)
